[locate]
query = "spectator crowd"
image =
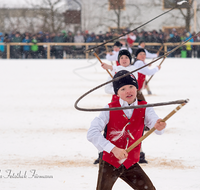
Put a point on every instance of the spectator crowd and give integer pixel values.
(35, 51)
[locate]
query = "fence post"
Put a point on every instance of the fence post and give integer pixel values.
(87, 55)
(48, 51)
(165, 48)
(8, 50)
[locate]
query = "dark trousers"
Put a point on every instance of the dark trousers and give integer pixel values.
(34, 54)
(59, 54)
(133, 176)
(140, 96)
(26, 54)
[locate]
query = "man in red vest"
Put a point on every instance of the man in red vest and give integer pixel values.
(140, 62)
(124, 127)
(112, 56)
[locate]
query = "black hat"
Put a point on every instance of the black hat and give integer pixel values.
(138, 51)
(124, 52)
(128, 80)
(118, 44)
(141, 42)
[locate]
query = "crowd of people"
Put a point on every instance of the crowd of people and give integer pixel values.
(36, 51)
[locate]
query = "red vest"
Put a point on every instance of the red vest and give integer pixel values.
(117, 121)
(117, 63)
(114, 98)
(141, 79)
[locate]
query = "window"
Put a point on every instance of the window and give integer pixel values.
(72, 17)
(115, 30)
(168, 4)
(116, 4)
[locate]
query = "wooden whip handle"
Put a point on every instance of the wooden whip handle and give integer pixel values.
(153, 75)
(153, 129)
(101, 63)
(160, 49)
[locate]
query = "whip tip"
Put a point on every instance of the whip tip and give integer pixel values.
(187, 100)
(181, 2)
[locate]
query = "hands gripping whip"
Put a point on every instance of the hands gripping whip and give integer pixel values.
(101, 63)
(136, 143)
(153, 129)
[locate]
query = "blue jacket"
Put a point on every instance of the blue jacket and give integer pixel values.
(26, 48)
(1, 46)
(188, 46)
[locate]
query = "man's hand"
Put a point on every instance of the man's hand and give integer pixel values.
(160, 125)
(119, 153)
(111, 53)
(159, 67)
(106, 66)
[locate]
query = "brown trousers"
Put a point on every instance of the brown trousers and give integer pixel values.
(133, 176)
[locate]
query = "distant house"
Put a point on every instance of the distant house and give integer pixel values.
(21, 19)
(96, 16)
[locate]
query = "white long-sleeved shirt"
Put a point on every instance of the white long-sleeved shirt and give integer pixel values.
(113, 57)
(127, 48)
(148, 54)
(145, 70)
(95, 136)
(109, 87)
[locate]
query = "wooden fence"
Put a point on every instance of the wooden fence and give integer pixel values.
(48, 45)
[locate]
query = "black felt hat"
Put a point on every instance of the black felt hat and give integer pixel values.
(138, 51)
(128, 80)
(118, 44)
(124, 52)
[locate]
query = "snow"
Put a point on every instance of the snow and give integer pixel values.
(43, 137)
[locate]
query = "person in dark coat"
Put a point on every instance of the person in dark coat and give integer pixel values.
(58, 48)
(175, 38)
(40, 48)
(16, 50)
(46, 39)
(69, 39)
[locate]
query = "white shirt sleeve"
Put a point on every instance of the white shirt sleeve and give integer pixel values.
(132, 37)
(113, 57)
(109, 87)
(150, 55)
(145, 70)
(150, 119)
(94, 134)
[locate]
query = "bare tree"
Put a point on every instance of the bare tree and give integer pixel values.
(186, 11)
(17, 19)
(51, 14)
(115, 13)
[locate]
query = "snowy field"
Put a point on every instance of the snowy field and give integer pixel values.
(43, 137)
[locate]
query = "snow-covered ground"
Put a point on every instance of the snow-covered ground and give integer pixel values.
(43, 137)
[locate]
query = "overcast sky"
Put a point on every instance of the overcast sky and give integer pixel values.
(18, 3)
(14, 2)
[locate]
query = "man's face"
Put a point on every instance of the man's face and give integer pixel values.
(142, 45)
(124, 61)
(127, 93)
(141, 56)
(115, 48)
